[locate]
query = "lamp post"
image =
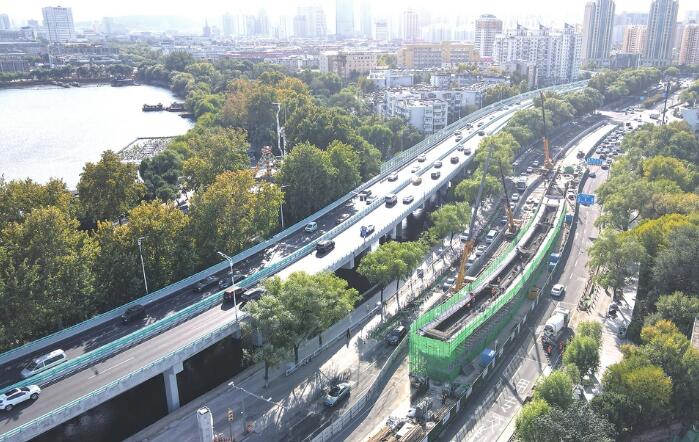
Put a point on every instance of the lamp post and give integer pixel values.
(230, 265)
(143, 266)
(256, 396)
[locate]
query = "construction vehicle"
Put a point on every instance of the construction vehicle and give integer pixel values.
(554, 330)
(512, 224)
(548, 164)
(470, 242)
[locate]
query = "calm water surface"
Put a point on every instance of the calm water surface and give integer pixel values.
(50, 132)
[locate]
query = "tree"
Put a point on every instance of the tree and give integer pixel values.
(46, 278)
(178, 60)
(678, 308)
(504, 147)
(450, 218)
(662, 167)
(391, 261)
(215, 150)
(19, 197)
(314, 301)
(109, 188)
(232, 213)
(583, 352)
(166, 246)
(675, 265)
(556, 389)
(467, 189)
(617, 409)
(577, 422)
(591, 329)
(613, 254)
(525, 426)
(161, 174)
(346, 163)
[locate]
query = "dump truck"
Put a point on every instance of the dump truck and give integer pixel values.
(554, 330)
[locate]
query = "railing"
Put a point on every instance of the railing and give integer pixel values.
(205, 304)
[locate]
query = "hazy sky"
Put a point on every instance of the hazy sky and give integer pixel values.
(550, 10)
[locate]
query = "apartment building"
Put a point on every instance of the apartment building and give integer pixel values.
(662, 21)
(689, 47)
(429, 55)
(487, 27)
(348, 63)
(598, 25)
(424, 114)
(634, 39)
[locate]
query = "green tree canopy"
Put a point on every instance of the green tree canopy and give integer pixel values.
(583, 352)
(556, 389)
(526, 428)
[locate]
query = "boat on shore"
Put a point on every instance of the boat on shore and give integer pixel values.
(118, 82)
(153, 107)
(175, 107)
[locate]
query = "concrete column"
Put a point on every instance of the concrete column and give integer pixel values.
(172, 393)
(374, 245)
(394, 232)
(349, 264)
(399, 229)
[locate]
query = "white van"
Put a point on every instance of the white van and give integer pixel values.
(490, 237)
(44, 362)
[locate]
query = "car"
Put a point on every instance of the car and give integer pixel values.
(515, 197)
(448, 283)
(621, 331)
(408, 199)
(439, 252)
(253, 294)
(435, 175)
(457, 132)
(458, 138)
(324, 246)
(467, 151)
(503, 220)
(471, 260)
(415, 169)
(44, 362)
(580, 154)
(344, 217)
(530, 169)
(480, 123)
(396, 335)
(311, 227)
(390, 199)
(11, 398)
(592, 175)
(336, 394)
(393, 177)
(231, 278)
(454, 160)
(558, 290)
(233, 294)
(416, 180)
(613, 310)
(422, 158)
(437, 164)
(605, 166)
(133, 312)
(481, 133)
(367, 230)
(535, 164)
(364, 194)
(206, 283)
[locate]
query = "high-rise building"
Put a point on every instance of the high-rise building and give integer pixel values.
(381, 32)
(206, 31)
(227, 23)
(365, 19)
(430, 55)
(58, 22)
(411, 27)
(624, 19)
(689, 49)
(634, 39)
(662, 20)
(344, 18)
(487, 27)
(597, 30)
(4, 22)
(310, 22)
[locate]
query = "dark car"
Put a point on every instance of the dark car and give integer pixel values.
(435, 175)
(481, 133)
(206, 283)
(394, 336)
(454, 160)
(133, 312)
(325, 246)
(227, 280)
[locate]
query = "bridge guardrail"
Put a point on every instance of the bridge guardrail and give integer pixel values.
(203, 305)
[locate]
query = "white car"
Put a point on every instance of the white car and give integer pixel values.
(558, 290)
(515, 197)
(393, 177)
(14, 397)
(311, 227)
(480, 249)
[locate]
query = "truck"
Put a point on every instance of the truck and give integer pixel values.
(554, 330)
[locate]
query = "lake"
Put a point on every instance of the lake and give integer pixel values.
(50, 132)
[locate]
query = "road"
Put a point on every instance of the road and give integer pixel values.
(502, 398)
(91, 378)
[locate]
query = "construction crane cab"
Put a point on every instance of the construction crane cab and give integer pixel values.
(548, 164)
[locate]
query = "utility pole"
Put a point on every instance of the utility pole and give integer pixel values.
(667, 94)
(143, 266)
(235, 300)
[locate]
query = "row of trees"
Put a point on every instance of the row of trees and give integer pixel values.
(616, 84)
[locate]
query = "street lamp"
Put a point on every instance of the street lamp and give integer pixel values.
(230, 265)
(143, 266)
(256, 396)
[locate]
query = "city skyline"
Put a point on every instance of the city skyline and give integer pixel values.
(548, 10)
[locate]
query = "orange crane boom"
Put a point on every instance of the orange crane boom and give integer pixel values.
(548, 164)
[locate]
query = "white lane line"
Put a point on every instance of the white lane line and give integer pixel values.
(107, 369)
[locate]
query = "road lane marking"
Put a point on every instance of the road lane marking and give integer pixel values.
(107, 369)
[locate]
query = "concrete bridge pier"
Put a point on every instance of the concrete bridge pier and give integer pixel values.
(172, 393)
(349, 264)
(374, 246)
(397, 231)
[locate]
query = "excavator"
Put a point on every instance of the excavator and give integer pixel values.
(548, 164)
(512, 223)
(470, 242)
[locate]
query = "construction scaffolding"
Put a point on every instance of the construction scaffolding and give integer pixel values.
(441, 358)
